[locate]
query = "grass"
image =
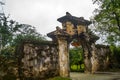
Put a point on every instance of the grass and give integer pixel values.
(114, 70)
(59, 78)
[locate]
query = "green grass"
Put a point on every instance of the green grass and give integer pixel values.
(59, 78)
(114, 70)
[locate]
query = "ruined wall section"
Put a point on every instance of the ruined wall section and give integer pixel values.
(40, 60)
(103, 57)
(100, 58)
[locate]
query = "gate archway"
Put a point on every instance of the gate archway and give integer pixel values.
(74, 28)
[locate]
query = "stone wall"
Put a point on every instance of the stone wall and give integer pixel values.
(40, 60)
(103, 53)
(100, 58)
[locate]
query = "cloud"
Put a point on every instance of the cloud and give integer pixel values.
(43, 14)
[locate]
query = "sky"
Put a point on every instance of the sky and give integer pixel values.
(43, 14)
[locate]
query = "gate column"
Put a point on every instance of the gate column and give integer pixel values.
(63, 56)
(61, 39)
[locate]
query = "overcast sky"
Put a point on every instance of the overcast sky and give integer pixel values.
(43, 14)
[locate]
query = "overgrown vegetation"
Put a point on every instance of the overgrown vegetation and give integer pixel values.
(12, 34)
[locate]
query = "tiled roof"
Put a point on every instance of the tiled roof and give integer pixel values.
(73, 19)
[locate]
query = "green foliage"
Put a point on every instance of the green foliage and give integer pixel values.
(107, 20)
(12, 34)
(77, 68)
(26, 32)
(6, 31)
(7, 57)
(76, 55)
(7, 62)
(10, 30)
(59, 78)
(117, 53)
(20, 38)
(76, 58)
(115, 56)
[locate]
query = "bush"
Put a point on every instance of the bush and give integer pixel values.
(76, 68)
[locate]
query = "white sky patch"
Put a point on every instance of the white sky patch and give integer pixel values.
(43, 14)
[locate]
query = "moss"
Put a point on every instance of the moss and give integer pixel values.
(9, 77)
(59, 78)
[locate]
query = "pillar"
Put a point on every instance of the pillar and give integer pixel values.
(87, 61)
(94, 59)
(64, 70)
(87, 56)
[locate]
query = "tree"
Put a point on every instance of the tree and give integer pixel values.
(6, 30)
(107, 20)
(12, 34)
(26, 32)
(9, 30)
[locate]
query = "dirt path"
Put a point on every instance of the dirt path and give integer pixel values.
(97, 76)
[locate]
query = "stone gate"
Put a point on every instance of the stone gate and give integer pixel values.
(73, 28)
(52, 58)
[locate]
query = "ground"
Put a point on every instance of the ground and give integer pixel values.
(97, 76)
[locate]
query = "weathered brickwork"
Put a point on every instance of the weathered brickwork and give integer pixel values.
(40, 60)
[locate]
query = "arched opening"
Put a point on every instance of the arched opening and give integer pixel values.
(76, 57)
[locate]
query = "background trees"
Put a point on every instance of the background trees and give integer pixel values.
(10, 30)
(107, 20)
(76, 58)
(11, 35)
